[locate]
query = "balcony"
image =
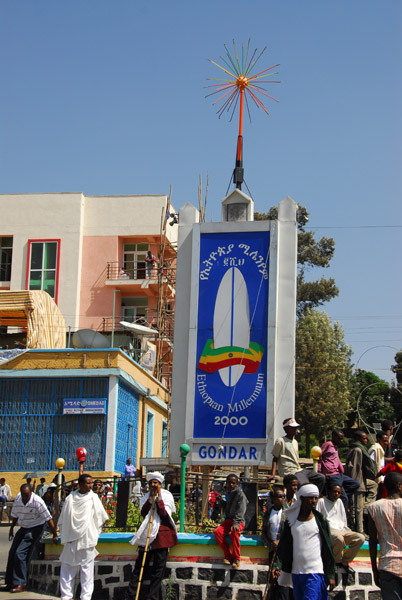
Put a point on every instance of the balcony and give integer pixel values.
(136, 277)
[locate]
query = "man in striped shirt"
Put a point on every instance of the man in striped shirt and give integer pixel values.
(31, 514)
(385, 527)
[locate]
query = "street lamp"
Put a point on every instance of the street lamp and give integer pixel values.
(184, 450)
(316, 454)
(60, 462)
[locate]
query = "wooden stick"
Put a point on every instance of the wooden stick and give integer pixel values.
(270, 583)
(144, 556)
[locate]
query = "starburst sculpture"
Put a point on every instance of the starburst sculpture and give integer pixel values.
(241, 82)
(242, 85)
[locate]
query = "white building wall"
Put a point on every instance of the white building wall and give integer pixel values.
(47, 216)
(110, 452)
(126, 216)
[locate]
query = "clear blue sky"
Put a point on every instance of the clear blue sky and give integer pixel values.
(107, 97)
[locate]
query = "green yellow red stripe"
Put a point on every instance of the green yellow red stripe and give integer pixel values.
(212, 359)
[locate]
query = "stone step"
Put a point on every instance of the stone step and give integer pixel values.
(195, 581)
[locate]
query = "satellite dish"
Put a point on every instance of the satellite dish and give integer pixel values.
(139, 329)
(86, 338)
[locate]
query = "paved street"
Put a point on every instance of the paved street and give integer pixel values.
(4, 548)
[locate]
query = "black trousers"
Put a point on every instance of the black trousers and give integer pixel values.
(307, 476)
(19, 555)
(279, 592)
(159, 558)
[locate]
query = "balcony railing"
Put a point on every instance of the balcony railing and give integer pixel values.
(126, 270)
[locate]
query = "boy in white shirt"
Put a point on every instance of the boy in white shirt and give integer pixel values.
(334, 511)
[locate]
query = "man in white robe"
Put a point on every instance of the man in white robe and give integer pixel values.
(80, 524)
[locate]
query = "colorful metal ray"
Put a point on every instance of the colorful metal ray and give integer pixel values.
(241, 86)
(241, 81)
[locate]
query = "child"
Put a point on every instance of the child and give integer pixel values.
(394, 465)
(235, 510)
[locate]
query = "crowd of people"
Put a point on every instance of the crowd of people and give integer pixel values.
(314, 522)
(322, 525)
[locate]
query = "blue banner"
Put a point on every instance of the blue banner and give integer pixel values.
(84, 406)
(231, 373)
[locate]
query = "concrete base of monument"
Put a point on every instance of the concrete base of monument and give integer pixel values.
(195, 571)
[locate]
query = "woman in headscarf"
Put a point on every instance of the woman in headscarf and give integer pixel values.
(305, 548)
(156, 508)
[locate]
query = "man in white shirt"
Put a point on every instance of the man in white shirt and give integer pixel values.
(285, 459)
(30, 512)
(5, 492)
(377, 452)
(334, 511)
(305, 548)
(41, 488)
(80, 524)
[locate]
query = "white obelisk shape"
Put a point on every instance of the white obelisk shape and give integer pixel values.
(232, 320)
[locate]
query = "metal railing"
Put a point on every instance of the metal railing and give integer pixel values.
(201, 513)
(128, 270)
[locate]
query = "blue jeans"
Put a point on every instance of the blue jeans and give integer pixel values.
(348, 486)
(20, 552)
(309, 586)
(3, 500)
(391, 586)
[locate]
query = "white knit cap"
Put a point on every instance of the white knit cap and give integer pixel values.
(155, 475)
(306, 491)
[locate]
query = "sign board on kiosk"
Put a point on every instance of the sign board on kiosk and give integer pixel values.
(233, 370)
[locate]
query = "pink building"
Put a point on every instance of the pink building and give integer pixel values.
(89, 253)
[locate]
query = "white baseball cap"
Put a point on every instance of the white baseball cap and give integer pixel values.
(291, 423)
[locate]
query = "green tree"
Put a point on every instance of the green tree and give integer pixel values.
(310, 253)
(397, 368)
(323, 374)
(370, 399)
(396, 392)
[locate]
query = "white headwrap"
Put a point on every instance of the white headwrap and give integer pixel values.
(155, 475)
(140, 538)
(307, 491)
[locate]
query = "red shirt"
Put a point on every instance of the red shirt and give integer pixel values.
(167, 536)
(391, 466)
(212, 498)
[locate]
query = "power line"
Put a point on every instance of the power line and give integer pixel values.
(353, 227)
(399, 341)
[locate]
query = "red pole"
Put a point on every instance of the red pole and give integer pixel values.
(240, 137)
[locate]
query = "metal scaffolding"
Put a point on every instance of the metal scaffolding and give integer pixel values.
(166, 300)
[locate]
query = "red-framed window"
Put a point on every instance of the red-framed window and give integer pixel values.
(43, 266)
